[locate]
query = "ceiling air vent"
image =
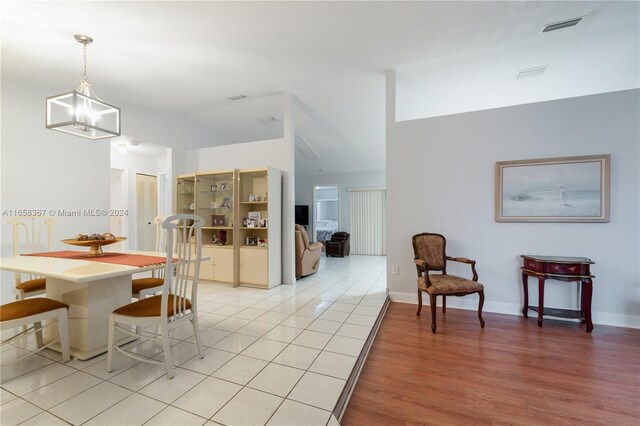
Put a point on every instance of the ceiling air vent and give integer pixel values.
(562, 24)
(236, 97)
(269, 119)
(305, 149)
(531, 72)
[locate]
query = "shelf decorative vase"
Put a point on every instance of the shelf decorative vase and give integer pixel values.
(222, 237)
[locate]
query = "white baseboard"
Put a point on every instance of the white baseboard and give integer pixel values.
(471, 303)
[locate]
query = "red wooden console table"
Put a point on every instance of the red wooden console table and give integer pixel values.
(560, 268)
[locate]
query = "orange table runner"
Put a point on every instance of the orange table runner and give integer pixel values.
(138, 260)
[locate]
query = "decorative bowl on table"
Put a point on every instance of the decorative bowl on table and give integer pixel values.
(95, 244)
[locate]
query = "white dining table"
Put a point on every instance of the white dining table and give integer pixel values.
(92, 290)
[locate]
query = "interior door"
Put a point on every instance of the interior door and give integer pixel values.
(146, 210)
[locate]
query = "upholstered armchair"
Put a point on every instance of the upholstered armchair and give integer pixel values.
(338, 245)
(430, 255)
(307, 255)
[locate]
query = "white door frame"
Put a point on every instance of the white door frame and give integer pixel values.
(314, 212)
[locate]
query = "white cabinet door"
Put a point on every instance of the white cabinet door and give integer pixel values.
(254, 266)
(223, 264)
(206, 266)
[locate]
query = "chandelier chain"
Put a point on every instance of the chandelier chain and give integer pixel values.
(84, 74)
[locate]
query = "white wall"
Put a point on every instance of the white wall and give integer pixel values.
(275, 153)
(45, 169)
(599, 55)
(440, 178)
(305, 184)
(133, 161)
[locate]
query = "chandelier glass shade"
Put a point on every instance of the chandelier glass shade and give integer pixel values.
(81, 112)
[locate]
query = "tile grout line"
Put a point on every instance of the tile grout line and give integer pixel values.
(334, 298)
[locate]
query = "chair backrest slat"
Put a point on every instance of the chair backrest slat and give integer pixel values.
(184, 234)
(161, 243)
(33, 227)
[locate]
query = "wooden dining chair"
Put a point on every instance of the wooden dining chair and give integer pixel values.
(143, 287)
(173, 307)
(31, 234)
(22, 313)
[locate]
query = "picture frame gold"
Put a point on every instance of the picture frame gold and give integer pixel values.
(561, 189)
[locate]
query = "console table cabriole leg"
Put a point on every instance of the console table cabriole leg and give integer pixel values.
(540, 300)
(583, 315)
(525, 286)
(587, 308)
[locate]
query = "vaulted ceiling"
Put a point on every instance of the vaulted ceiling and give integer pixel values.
(191, 56)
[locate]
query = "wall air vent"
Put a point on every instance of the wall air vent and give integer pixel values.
(562, 24)
(236, 97)
(305, 149)
(531, 72)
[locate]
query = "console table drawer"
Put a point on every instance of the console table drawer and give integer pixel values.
(532, 265)
(566, 268)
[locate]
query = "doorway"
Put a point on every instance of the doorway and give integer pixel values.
(146, 210)
(326, 212)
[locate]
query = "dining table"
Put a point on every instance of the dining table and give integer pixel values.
(92, 288)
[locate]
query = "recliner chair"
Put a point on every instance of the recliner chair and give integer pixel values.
(307, 255)
(339, 245)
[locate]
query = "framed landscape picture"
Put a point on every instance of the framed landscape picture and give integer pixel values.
(567, 189)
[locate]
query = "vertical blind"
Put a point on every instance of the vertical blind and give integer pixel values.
(366, 220)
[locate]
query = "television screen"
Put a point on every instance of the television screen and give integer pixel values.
(302, 215)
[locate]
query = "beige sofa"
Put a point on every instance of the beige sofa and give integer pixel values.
(307, 255)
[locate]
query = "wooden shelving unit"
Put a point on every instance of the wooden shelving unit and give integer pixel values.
(260, 200)
(251, 255)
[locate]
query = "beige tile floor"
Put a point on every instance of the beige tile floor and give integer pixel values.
(276, 357)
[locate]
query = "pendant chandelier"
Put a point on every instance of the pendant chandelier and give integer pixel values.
(81, 112)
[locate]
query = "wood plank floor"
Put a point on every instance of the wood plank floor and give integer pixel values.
(512, 372)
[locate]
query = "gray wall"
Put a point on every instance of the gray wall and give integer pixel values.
(305, 184)
(440, 178)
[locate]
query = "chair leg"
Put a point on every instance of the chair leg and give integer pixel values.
(166, 346)
(112, 325)
(38, 328)
(196, 333)
(63, 330)
(433, 312)
(444, 304)
(18, 293)
(480, 305)
(419, 302)
(19, 296)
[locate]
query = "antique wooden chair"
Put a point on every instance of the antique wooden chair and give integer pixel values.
(172, 308)
(429, 252)
(31, 234)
